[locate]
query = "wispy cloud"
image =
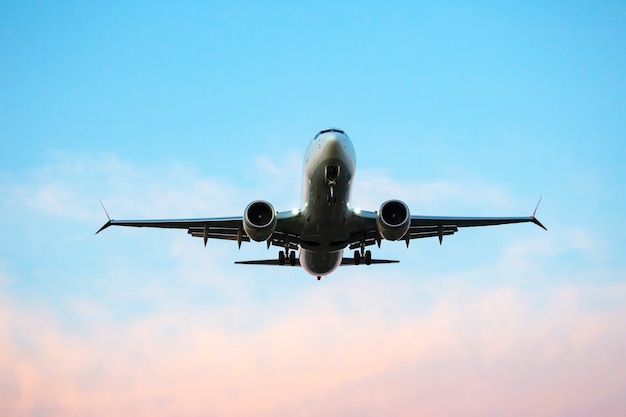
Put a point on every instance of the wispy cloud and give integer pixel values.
(182, 331)
(372, 187)
(490, 352)
(69, 188)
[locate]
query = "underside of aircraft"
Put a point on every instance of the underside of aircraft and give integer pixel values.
(326, 224)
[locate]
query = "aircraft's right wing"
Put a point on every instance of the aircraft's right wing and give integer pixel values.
(220, 228)
(226, 228)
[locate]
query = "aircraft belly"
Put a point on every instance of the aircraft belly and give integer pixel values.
(320, 263)
(326, 239)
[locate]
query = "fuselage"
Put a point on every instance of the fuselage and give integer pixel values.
(329, 165)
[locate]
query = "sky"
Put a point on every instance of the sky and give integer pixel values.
(195, 109)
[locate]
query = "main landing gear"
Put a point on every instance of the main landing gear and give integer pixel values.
(362, 256)
(287, 256)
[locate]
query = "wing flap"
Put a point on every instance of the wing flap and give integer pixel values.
(223, 236)
(420, 221)
(418, 232)
(283, 239)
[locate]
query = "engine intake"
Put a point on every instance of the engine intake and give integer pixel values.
(259, 220)
(394, 220)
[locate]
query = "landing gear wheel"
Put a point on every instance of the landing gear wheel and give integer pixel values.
(292, 258)
(368, 257)
(281, 258)
(357, 257)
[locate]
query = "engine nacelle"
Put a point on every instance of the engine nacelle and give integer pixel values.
(393, 220)
(259, 220)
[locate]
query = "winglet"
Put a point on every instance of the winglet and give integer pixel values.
(107, 224)
(105, 210)
(538, 223)
(534, 219)
(537, 206)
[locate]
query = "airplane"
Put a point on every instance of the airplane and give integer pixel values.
(326, 224)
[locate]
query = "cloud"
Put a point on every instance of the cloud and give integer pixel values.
(4, 277)
(166, 327)
(70, 187)
(372, 187)
(278, 178)
(265, 164)
(473, 352)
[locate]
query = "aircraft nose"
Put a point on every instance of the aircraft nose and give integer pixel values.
(335, 146)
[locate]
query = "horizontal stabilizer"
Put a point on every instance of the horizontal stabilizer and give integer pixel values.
(350, 261)
(268, 262)
(344, 262)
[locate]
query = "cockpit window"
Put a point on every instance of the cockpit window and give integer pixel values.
(329, 130)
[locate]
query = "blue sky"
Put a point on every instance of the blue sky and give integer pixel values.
(193, 109)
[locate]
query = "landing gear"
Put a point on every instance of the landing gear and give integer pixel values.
(318, 278)
(362, 256)
(332, 174)
(331, 195)
(289, 256)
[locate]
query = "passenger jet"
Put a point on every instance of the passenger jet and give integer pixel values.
(326, 224)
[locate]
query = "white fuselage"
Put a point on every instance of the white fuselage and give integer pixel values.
(329, 165)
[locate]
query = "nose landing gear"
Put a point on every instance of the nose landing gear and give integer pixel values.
(332, 174)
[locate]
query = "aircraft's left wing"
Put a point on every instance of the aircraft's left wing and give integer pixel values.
(364, 231)
(429, 221)
(430, 226)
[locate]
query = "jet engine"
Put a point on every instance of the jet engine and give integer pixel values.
(259, 220)
(393, 220)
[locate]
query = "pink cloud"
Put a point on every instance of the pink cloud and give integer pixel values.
(347, 347)
(498, 352)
